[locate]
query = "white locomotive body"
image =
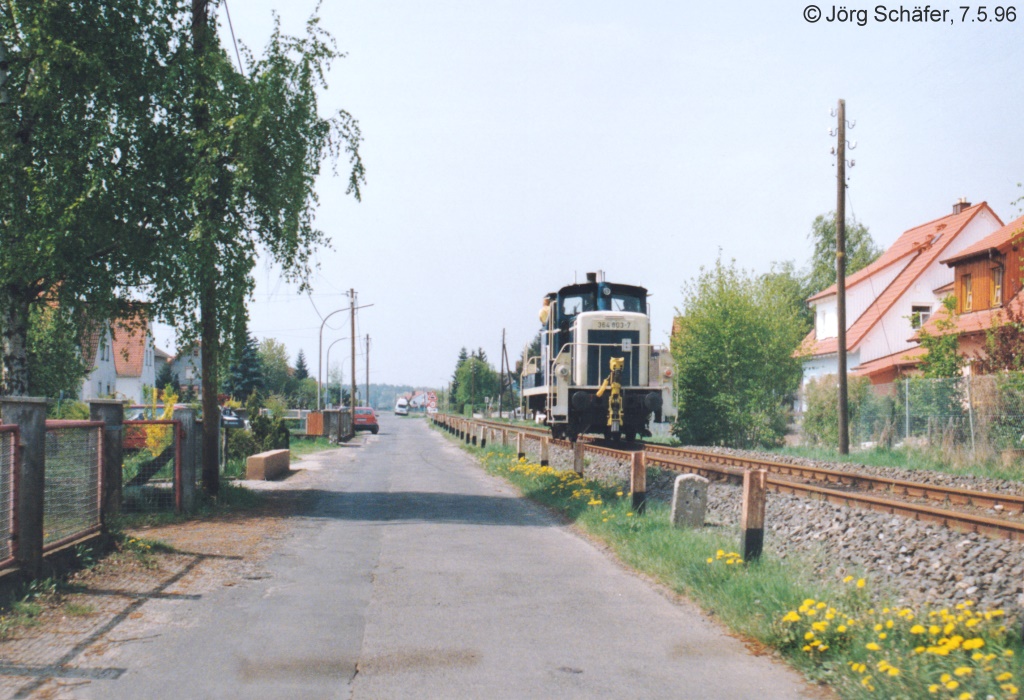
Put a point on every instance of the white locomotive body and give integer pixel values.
(597, 371)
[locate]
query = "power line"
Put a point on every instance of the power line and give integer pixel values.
(233, 40)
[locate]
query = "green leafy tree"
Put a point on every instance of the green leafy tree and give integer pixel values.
(861, 250)
(55, 365)
(453, 391)
(249, 147)
(304, 395)
(787, 284)
(274, 360)
(943, 359)
(81, 141)
(476, 380)
(733, 350)
(301, 368)
(166, 378)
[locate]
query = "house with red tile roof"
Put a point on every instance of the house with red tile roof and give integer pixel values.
(987, 281)
(126, 347)
(892, 295)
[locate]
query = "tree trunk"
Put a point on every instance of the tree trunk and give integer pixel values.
(15, 306)
(211, 409)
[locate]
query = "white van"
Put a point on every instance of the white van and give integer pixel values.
(402, 408)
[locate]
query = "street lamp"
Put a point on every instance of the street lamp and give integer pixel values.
(329, 364)
(320, 351)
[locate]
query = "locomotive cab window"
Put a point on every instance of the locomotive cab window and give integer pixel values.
(577, 303)
(627, 302)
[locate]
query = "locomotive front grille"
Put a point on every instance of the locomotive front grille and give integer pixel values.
(604, 345)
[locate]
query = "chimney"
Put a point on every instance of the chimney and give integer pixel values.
(961, 205)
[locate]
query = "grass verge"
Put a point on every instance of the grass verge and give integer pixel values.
(913, 458)
(838, 633)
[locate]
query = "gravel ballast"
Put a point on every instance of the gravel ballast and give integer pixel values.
(916, 563)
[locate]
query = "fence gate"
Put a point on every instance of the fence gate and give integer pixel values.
(73, 481)
(152, 465)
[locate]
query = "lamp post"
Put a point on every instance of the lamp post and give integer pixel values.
(329, 364)
(320, 356)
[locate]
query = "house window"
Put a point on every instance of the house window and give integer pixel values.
(968, 293)
(997, 286)
(919, 315)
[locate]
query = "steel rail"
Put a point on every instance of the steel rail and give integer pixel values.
(731, 468)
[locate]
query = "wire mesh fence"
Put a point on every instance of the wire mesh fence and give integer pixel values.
(8, 480)
(151, 471)
(71, 504)
(982, 415)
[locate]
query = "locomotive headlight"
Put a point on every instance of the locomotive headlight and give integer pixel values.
(668, 373)
(562, 371)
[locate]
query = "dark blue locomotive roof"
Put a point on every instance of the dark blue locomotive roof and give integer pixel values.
(597, 296)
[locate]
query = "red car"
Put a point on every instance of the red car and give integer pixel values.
(365, 419)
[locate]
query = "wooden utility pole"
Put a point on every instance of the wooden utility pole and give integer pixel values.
(368, 370)
(501, 379)
(352, 322)
(844, 427)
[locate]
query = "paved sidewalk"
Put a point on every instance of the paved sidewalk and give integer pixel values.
(398, 569)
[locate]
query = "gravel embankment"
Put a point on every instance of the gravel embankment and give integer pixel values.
(919, 563)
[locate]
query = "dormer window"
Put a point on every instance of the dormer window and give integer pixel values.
(919, 315)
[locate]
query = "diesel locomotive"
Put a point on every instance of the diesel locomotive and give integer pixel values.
(597, 371)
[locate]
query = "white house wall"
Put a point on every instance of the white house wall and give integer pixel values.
(102, 380)
(858, 299)
(891, 334)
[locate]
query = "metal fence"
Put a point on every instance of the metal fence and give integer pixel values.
(8, 490)
(151, 469)
(74, 468)
(980, 414)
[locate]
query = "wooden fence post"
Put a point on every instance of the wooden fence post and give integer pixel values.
(638, 481)
(544, 449)
(752, 518)
(577, 457)
(519, 446)
(189, 445)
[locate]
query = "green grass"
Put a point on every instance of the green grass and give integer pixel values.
(857, 644)
(305, 446)
(960, 463)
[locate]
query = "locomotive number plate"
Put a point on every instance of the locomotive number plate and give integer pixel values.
(612, 325)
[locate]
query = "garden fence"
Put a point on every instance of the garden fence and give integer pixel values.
(8, 491)
(152, 464)
(73, 481)
(980, 414)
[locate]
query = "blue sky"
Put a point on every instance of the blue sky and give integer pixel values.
(512, 145)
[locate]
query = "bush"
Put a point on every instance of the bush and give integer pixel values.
(279, 437)
(870, 415)
(241, 444)
(69, 410)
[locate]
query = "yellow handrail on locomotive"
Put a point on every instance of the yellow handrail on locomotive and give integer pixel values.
(615, 365)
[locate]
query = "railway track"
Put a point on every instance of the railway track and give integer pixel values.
(950, 507)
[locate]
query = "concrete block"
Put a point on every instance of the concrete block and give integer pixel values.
(267, 465)
(689, 500)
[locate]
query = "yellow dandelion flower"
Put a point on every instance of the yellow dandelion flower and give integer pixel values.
(1009, 688)
(965, 696)
(841, 629)
(934, 630)
(878, 628)
(1003, 677)
(917, 629)
(821, 606)
(893, 671)
(945, 678)
(933, 688)
(976, 643)
(820, 626)
(918, 650)
(711, 560)
(963, 671)
(889, 624)
(882, 635)
(809, 635)
(629, 515)
(952, 685)
(1008, 652)
(861, 583)
(871, 646)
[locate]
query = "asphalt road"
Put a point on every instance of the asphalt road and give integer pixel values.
(412, 574)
